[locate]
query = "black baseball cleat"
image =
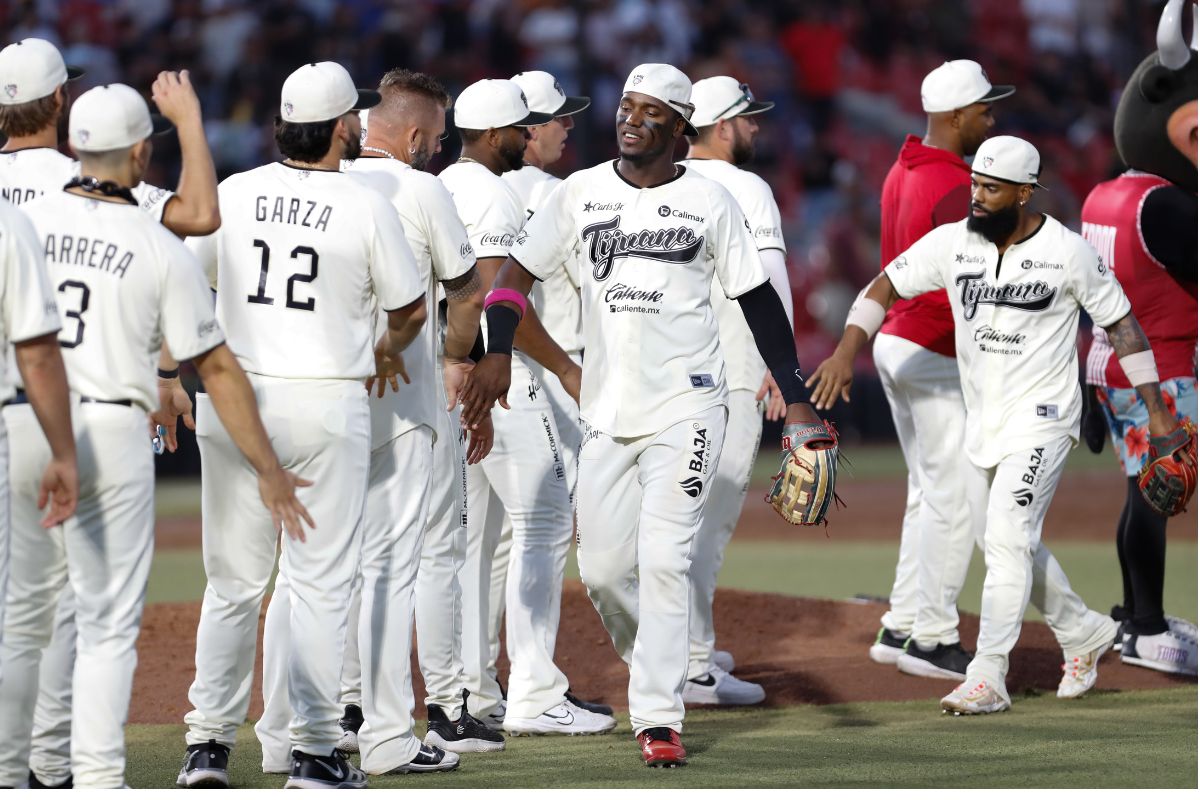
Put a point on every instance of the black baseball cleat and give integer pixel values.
(947, 661)
(427, 759)
(466, 734)
(34, 783)
(595, 708)
(324, 772)
(888, 646)
(205, 766)
(351, 722)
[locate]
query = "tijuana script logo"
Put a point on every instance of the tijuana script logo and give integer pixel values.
(1031, 296)
(606, 243)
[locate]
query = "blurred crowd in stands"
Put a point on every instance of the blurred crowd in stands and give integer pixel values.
(845, 75)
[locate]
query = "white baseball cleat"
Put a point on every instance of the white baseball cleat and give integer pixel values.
(564, 720)
(1172, 651)
(723, 659)
(975, 697)
(718, 687)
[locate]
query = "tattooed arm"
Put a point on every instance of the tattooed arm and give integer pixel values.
(1127, 339)
(464, 304)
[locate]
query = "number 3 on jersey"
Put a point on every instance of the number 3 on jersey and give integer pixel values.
(82, 298)
(261, 297)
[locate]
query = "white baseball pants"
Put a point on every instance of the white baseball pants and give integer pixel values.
(525, 470)
(936, 537)
(1016, 495)
(640, 504)
(321, 430)
(725, 500)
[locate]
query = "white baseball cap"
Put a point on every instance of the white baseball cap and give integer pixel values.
(30, 70)
(723, 97)
(958, 84)
(495, 103)
(112, 117)
(1008, 158)
(546, 95)
(666, 83)
(321, 91)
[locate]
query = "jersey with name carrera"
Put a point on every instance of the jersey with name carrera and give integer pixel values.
(1016, 322)
(644, 260)
(300, 260)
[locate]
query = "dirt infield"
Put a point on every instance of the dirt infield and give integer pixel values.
(800, 650)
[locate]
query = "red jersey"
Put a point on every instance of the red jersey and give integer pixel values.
(1112, 223)
(925, 188)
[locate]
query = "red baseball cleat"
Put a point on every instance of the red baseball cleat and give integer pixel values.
(661, 748)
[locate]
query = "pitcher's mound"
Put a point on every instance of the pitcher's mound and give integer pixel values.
(800, 650)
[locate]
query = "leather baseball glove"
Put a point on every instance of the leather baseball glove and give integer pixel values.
(1168, 480)
(804, 487)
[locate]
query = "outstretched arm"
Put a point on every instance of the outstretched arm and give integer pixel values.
(194, 210)
(835, 374)
(776, 344)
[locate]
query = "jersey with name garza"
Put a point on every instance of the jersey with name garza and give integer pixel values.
(298, 263)
(644, 261)
(124, 284)
(439, 244)
(556, 299)
(30, 172)
(27, 307)
(1016, 321)
(744, 367)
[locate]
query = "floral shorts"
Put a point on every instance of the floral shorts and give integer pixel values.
(1128, 419)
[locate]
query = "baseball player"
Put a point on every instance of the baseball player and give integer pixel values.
(126, 286)
(642, 238)
(29, 320)
(1139, 224)
(928, 186)
(726, 120)
(304, 260)
(30, 166)
(1017, 280)
(404, 426)
(525, 471)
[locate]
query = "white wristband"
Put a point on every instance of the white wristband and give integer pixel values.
(1140, 368)
(867, 314)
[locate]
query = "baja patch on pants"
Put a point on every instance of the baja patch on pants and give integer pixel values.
(696, 460)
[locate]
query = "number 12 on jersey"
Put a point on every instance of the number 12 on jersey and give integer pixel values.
(261, 297)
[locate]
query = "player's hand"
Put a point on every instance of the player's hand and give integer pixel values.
(454, 377)
(776, 407)
(572, 380)
(479, 440)
(387, 367)
(172, 92)
(60, 490)
(485, 384)
(1161, 423)
(832, 379)
(173, 403)
(277, 489)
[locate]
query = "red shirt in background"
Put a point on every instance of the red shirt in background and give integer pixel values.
(925, 188)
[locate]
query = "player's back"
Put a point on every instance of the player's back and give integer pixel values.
(297, 263)
(120, 278)
(30, 172)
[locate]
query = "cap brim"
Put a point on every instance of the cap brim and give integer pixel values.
(533, 118)
(573, 105)
(367, 98)
(160, 125)
(1008, 180)
(74, 72)
(997, 93)
(756, 107)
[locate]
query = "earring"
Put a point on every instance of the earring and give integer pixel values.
(412, 149)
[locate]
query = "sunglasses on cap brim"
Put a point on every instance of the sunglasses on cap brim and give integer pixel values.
(747, 97)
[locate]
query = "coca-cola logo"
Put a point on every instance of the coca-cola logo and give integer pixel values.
(975, 291)
(607, 243)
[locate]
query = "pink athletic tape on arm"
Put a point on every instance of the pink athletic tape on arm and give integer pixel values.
(505, 295)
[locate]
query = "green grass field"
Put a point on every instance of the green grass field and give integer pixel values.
(1043, 742)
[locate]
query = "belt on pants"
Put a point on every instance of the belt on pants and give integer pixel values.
(20, 398)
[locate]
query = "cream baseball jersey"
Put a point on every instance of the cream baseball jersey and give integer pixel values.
(439, 245)
(644, 261)
(744, 367)
(1016, 320)
(26, 297)
(299, 262)
(125, 283)
(31, 172)
(556, 298)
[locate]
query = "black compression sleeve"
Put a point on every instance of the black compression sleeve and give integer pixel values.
(773, 336)
(1168, 222)
(502, 328)
(477, 350)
